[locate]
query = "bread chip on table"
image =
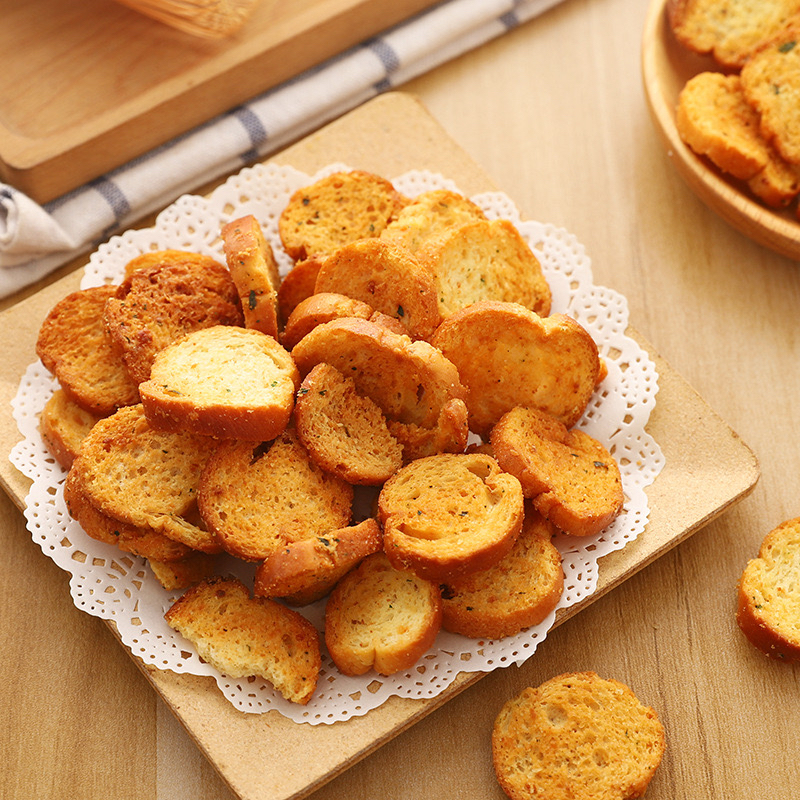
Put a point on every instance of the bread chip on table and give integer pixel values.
(507, 355)
(516, 593)
(571, 478)
(254, 271)
(64, 425)
(344, 432)
(256, 498)
(73, 345)
(148, 478)
(223, 381)
(335, 210)
(303, 572)
(382, 618)
(449, 515)
(158, 304)
(318, 308)
(730, 30)
(485, 260)
(576, 736)
(242, 636)
(768, 604)
(388, 278)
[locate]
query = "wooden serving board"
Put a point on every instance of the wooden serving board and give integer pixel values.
(268, 757)
(89, 85)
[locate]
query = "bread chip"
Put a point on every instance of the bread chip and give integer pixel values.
(335, 210)
(258, 498)
(225, 382)
(242, 635)
(508, 356)
(74, 346)
(176, 575)
(64, 425)
(297, 285)
(163, 258)
(516, 593)
(449, 515)
(449, 435)
(318, 308)
(381, 618)
(571, 477)
(576, 737)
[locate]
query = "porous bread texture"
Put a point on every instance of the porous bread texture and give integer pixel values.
(449, 435)
(485, 260)
(224, 382)
(450, 514)
(771, 84)
(571, 477)
(730, 30)
(335, 210)
(177, 575)
(382, 618)
(64, 425)
(344, 432)
(256, 498)
(768, 605)
(516, 593)
(73, 345)
(148, 478)
(576, 737)
(158, 304)
(507, 355)
(318, 308)
(254, 272)
(242, 636)
(303, 572)
(388, 278)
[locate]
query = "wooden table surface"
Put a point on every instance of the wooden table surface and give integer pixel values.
(554, 112)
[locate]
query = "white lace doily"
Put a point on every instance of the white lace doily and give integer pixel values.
(113, 585)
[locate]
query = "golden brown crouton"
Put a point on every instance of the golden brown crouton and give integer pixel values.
(64, 425)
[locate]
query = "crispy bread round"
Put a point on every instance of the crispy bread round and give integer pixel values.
(64, 425)
(344, 432)
(507, 356)
(158, 304)
(335, 210)
(225, 382)
(303, 572)
(318, 308)
(242, 635)
(516, 593)
(258, 498)
(297, 285)
(74, 346)
(381, 618)
(768, 606)
(576, 737)
(163, 258)
(449, 515)
(571, 477)
(386, 277)
(449, 435)
(177, 575)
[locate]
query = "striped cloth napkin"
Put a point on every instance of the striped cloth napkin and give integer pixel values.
(36, 239)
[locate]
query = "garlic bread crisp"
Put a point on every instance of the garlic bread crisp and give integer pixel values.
(64, 425)
(318, 308)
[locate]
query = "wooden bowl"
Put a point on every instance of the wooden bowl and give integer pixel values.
(666, 66)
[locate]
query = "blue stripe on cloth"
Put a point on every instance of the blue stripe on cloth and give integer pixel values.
(509, 20)
(386, 54)
(113, 195)
(254, 129)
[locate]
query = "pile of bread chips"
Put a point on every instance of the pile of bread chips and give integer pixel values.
(743, 116)
(410, 352)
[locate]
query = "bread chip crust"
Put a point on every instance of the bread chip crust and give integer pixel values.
(318, 308)
(64, 425)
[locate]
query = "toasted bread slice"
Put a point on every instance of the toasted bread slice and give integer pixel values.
(729, 30)
(570, 476)
(485, 260)
(386, 277)
(225, 382)
(516, 593)
(176, 575)
(242, 636)
(344, 432)
(303, 572)
(318, 308)
(335, 210)
(258, 498)
(449, 515)
(576, 737)
(449, 435)
(768, 610)
(158, 304)
(74, 346)
(148, 478)
(254, 271)
(508, 356)
(297, 285)
(427, 216)
(64, 425)
(163, 258)
(381, 618)
(778, 184)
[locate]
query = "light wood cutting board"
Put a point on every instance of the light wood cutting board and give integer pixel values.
(268, 757)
